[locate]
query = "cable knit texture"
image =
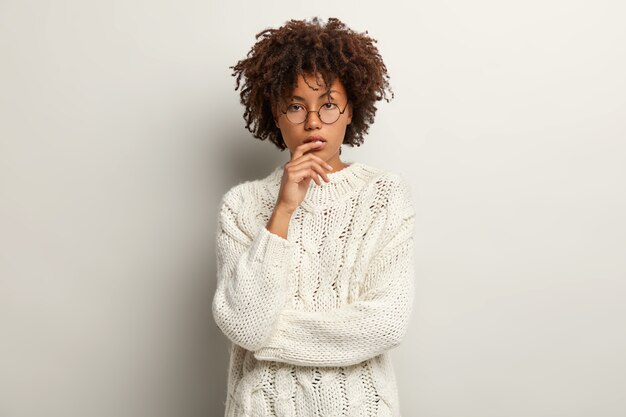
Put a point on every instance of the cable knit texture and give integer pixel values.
(312, 317)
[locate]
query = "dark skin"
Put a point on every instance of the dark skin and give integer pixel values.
(311, 160)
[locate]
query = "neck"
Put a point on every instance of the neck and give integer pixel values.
(336, 163)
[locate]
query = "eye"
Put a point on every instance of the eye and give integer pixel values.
(294, 107)
(329, 105)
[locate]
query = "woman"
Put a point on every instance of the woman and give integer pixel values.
(315, 261)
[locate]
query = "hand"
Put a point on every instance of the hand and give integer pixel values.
(297, 175)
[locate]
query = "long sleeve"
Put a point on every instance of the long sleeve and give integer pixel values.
(251, 277)
(367, 327)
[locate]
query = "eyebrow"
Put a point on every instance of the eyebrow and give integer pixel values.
(325, 94)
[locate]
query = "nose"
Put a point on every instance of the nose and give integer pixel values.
(312, 121)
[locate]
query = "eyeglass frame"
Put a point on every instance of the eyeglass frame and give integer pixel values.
(314, 111)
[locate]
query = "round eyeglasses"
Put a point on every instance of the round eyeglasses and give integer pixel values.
(328, 113)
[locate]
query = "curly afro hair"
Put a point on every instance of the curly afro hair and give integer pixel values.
(272, 66)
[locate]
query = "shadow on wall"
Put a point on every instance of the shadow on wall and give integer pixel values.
(234, 159)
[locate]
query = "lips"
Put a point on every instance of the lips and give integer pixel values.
(314, 138)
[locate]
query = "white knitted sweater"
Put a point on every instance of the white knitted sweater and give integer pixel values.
(312, 317)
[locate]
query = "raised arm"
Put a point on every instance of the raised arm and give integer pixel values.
(252, 278)
(373, 324)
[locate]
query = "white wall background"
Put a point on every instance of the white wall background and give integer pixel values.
(120, 129)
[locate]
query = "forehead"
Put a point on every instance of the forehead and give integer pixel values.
(312, 87)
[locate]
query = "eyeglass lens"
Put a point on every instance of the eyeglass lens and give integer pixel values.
(328, 113)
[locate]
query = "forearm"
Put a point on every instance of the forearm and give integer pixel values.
(354, 332)
(279, 220)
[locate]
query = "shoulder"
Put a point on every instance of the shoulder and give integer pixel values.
(234, 205)
(247, 192)
(237, 214)
(236, 194)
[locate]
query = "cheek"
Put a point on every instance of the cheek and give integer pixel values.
(287, 136)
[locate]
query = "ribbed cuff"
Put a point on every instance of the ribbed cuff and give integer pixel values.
(268, 354)
(270, 249)
(273, 348)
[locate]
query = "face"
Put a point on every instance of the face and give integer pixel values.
(305, 98)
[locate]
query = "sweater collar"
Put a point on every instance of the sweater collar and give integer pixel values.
(342, 184)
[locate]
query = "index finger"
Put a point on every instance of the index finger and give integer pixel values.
(301, 149)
